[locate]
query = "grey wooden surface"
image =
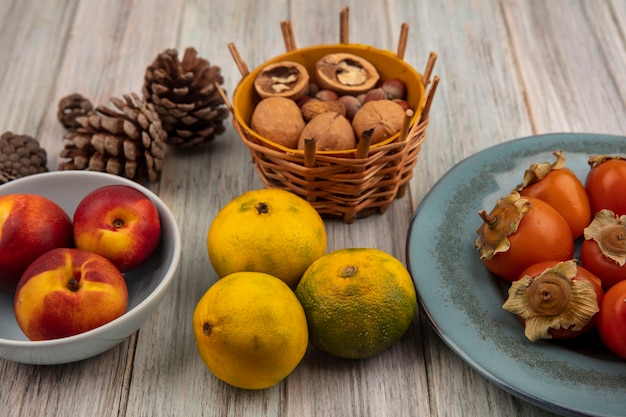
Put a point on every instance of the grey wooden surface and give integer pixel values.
(508, 68)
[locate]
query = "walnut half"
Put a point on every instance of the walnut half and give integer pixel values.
(346, 73)
(282, 79)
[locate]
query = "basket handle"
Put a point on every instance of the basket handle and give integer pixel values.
(243, 68)
(288, 36)
(406, 122)
(432, 58)
(402, 41)
(429, 98)
(222, 94)
(344, 17)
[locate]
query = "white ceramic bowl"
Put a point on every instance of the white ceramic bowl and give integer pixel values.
(146, 285)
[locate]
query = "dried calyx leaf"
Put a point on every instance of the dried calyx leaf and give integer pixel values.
(609, 231)
(538, 171)
(501, 222)
(595, 160)
(346, 73)
(283, 79)
(552, 300)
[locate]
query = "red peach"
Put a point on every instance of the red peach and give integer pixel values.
(120, 223)
(68, 291)
(30, 225)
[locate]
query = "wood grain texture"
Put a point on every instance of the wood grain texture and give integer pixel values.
(508, 68)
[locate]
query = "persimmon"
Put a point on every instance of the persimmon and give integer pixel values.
(558, 186)
(555, 300)
(606, 182)
(603, 251)
(612, 319)
(519, 232)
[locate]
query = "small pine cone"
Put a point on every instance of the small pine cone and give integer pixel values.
(184, 95)
(20, 155)
(127, 140)
(72, 107)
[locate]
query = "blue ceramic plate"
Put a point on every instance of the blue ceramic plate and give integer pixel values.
(464, 301)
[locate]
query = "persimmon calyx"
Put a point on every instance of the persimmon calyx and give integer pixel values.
(499, 224)
(595, 160)
(552, 300)
(538, 171)
(609, 232)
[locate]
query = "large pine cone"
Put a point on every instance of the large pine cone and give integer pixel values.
(20, 155)
(184, 95)
(127, 140)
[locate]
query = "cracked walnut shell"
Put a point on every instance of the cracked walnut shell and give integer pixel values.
(282, 79)
(346, 73)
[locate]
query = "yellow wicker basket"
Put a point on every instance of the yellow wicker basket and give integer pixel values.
(347, 184)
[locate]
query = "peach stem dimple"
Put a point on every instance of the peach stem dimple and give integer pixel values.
(73, 285)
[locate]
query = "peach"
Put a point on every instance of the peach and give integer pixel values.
(119, 222)
(30, 225)
(68, 291)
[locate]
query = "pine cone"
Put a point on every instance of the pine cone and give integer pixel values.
(126, 141)
(184, 95)
(71, 107)
(20, 155)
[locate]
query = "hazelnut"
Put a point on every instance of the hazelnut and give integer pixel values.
(278, 119)
(282, 79)
(346, 73)
(352, 105)
(326, 95)
(394, 88)
(331, 131)
(314, 107)
(375, 94)
(384, 116)
(405, 104)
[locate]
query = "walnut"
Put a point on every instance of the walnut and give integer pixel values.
(283, 79)
(346, 73)
(312, 108)
(384, 116)
(278, 119)
(331, 131)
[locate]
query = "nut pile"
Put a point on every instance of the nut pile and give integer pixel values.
(342, 102)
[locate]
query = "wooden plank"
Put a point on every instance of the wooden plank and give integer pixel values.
(32, 40)
(565, 88)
